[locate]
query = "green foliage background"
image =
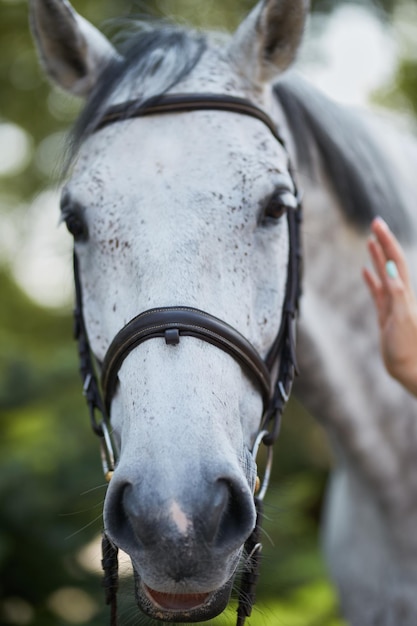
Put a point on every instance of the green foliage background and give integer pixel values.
(51, 488)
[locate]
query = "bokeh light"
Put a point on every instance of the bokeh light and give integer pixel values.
(16, 149)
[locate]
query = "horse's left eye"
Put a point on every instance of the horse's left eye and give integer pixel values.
(278, 205)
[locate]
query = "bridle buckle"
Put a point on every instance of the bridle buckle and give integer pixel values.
(263, 484)
(107, 449)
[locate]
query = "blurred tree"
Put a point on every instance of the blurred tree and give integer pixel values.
(407, 82)
(401, 93)
(44, 521)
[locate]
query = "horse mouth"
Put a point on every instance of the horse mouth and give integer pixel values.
(177, 602)
(188, 607)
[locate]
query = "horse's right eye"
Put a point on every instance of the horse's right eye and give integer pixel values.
(75, 223)
(73, 214)
(76, 226)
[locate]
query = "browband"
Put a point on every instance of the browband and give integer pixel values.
(184, 103)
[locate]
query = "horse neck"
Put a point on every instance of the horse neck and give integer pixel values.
(369, 418)
(371, 510)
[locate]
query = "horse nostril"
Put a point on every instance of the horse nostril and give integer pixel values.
(231, 516)
(115, 519)
(123, 521)
(218, 507)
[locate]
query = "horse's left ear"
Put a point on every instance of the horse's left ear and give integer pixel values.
(267, 41)
(72, 51)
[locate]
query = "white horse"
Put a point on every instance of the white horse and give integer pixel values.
(175, 210)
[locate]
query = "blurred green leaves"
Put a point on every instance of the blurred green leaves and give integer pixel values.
(48, 458)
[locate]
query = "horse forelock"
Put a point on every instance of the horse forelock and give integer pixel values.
(357, 169)
(152, 61)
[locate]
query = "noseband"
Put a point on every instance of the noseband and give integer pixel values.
(274, 375)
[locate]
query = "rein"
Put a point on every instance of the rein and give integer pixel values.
(172, 323)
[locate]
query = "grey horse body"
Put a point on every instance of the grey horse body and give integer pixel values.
(371, 509)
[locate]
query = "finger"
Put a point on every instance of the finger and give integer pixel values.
(377, 293)
(372, 282)
(390, 246)
(379, 260)
(391, 287)
(396, 287)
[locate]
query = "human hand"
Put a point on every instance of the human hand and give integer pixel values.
(395, 303)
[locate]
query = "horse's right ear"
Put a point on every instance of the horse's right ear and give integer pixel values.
(72, 51)
(267, 41)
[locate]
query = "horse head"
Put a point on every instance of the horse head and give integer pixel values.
(181, 210)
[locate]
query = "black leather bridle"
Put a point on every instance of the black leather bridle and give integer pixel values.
(274, 374)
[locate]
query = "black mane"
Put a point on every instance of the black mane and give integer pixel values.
(361, 176)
